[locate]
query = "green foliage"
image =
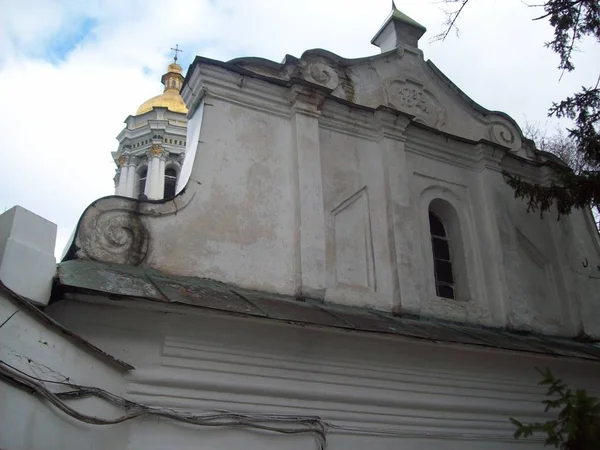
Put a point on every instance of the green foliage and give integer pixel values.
(568, 190)
(577, 426)
(572, 20)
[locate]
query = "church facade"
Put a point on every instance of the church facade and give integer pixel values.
(342, 266)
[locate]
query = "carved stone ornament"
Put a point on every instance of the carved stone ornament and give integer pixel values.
(122, 160)
(504, 134)
(156, 149)
(412, 98)
(322, 74)
(111, 231)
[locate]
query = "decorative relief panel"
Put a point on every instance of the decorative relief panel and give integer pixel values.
(535, 266)
(353, 243)
(322, 74)
(412, 98)
(534, 305)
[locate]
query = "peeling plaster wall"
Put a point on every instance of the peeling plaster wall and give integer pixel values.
(29, 423)
(580, 245)
(535, 279)
(241, 227)
(431, 179)
(357, 251)
(521, 270)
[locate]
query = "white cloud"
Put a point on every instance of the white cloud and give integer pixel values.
(59, 117)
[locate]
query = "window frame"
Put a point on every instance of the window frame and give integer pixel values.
(142, 179)
(170, 180)
(443, 239)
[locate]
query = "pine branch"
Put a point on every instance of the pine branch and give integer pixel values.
(577, 425)
(568, 191)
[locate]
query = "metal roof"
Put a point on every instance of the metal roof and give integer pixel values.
(24, 304)
(143, 283)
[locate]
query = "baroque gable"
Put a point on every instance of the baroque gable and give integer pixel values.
(399, 79)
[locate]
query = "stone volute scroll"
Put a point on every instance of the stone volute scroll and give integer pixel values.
(322, 74)
(111, 230)
(503, 133)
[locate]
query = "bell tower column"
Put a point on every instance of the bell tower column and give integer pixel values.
(148, 185)
(155, 175)
(161, 171)
(131, 166)
(122, 183)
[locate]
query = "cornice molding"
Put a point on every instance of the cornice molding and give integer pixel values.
(355, 122)
(440, 148)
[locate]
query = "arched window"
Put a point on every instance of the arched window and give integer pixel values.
(442, 259)
(170, 182)
(142, 181)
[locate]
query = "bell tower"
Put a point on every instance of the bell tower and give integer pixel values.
(152, 144)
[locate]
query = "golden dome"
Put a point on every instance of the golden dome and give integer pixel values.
(170, 98)
(174, 67)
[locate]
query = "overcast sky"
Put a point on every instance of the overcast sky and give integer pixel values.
(71, 71)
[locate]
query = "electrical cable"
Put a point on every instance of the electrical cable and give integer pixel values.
(303, 424)
(217, 418)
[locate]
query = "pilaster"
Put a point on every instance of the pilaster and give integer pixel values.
(310, 223)
(490, 173)
(391, 138)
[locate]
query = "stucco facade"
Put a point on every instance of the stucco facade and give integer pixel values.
(315, 177)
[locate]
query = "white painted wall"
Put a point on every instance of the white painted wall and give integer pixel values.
(27, 263)
(29, 423)
(241, 223)
(383, 392)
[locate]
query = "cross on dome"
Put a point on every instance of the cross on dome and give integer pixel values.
(176, 50)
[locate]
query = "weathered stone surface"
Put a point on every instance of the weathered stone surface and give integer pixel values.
(315, 177)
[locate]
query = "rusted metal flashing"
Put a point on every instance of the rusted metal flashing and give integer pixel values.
(120, 282)
(25, 305)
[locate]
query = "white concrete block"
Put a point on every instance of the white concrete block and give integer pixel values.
(27, 263)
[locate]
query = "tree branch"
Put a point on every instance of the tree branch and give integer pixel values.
(451, 20)
(570, 50)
